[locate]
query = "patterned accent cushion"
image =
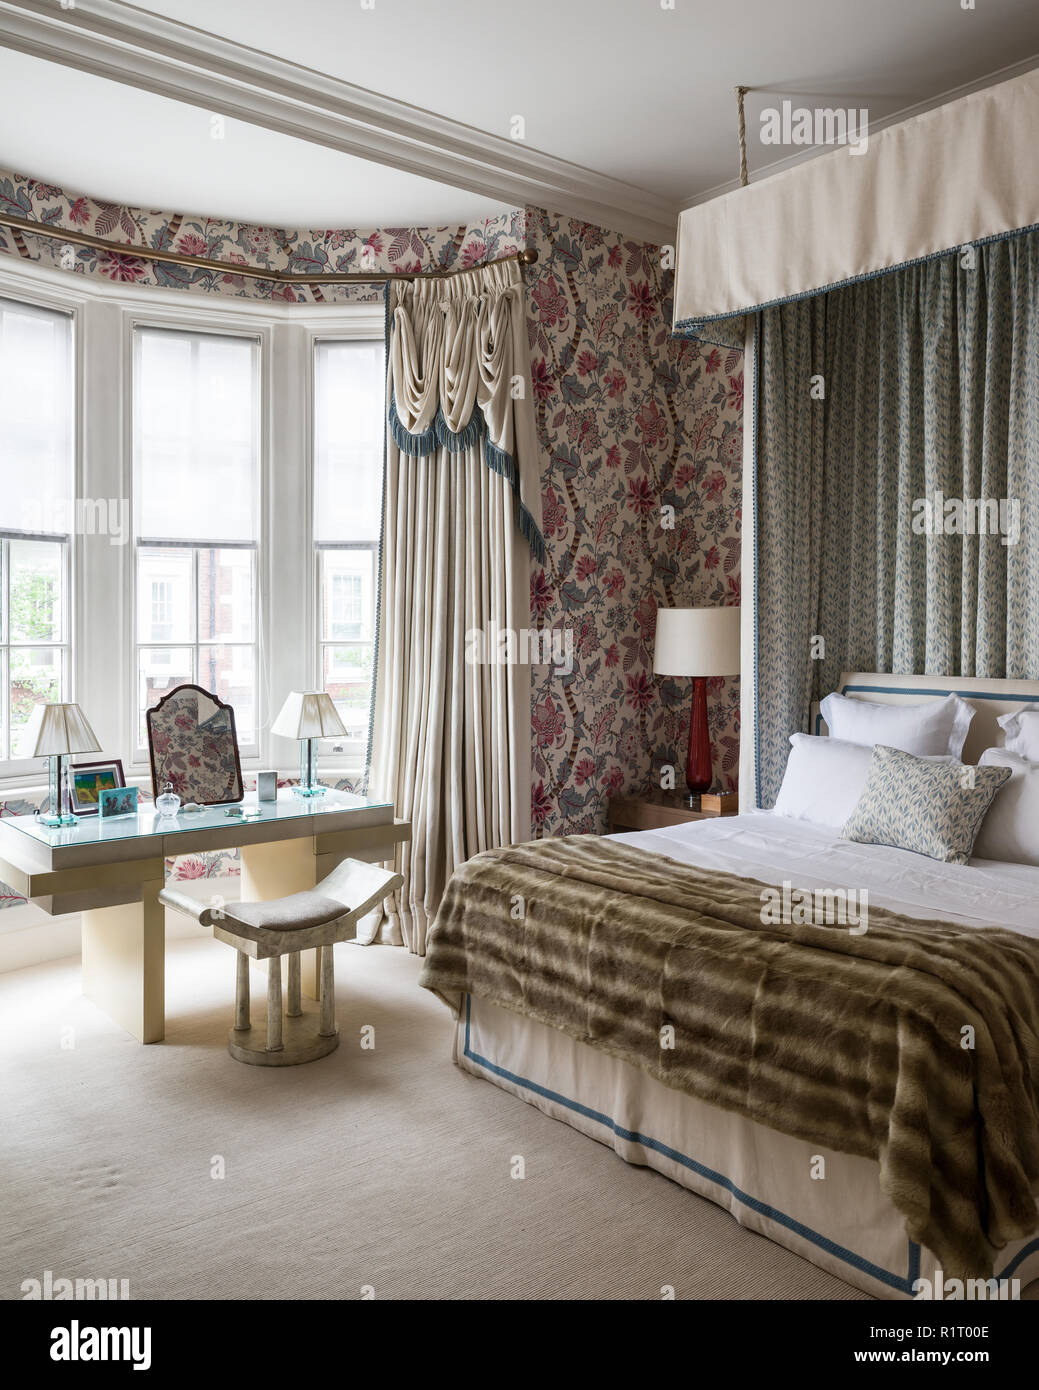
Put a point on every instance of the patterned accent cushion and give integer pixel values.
(930, 808)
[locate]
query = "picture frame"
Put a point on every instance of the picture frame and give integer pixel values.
(117, 801)
(90, 779)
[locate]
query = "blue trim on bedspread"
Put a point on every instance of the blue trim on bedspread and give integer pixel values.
(894, 1281)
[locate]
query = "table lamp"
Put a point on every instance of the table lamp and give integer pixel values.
(697, 642)
(308, 715)
(54, 732)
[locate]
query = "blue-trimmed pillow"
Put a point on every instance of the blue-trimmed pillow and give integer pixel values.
(930, 808)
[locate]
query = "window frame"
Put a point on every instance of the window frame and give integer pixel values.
(353, 752)
(14, 770)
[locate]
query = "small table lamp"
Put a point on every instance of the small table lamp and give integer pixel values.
(55, 732)
(308, 715)
(698, 642)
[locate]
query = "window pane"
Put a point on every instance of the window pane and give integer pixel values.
(347, 595)
(225, 595)
(348, 679)
(36, 470)
(196, 410)
(36, 679)
(230, 672)
(159, 670)
(37, 591)
(164, 594)
(349, 425)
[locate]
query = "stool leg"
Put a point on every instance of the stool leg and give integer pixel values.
(241, 991)
(274, 1043)
(294, 1008)
(327, 1025)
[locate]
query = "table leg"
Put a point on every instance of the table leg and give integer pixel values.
(124, 963)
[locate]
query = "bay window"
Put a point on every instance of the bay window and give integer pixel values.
(37, 511)
(190, 492)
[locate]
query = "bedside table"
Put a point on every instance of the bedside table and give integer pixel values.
(657, 810)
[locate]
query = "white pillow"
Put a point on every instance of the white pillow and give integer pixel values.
(933, 728)
(824, 779)
(1022, 732)
(1010, 830)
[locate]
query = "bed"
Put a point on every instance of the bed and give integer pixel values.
(769, 1180)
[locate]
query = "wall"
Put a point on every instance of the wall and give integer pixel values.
(629, 421)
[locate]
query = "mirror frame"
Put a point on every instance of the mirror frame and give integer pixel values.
(154, 709)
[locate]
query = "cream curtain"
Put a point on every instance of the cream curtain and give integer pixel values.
(462, 516)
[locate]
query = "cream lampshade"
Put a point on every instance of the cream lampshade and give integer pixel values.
(55, 732)
(308, 715)
(697, 642)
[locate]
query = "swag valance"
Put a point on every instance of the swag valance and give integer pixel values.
(458, 378)
(965, 173)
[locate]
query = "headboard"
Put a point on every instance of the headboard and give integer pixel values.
(991, 698)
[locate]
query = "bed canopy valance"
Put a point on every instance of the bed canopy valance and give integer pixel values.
(967, 172)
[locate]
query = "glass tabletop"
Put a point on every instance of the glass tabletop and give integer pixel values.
(90, 830)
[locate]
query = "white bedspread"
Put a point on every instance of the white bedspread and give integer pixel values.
(774, 848)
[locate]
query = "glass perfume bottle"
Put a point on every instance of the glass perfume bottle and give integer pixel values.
(168, 803)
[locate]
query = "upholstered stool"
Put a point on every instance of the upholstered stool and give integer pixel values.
(316, 918)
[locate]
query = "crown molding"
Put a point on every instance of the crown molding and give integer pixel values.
(904, 113)
(125, 44)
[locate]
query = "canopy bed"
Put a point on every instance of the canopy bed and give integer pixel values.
(867, 1096)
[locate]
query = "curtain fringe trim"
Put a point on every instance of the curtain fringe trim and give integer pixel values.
(457, 442)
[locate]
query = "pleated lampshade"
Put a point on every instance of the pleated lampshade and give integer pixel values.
(58, 728)
(308, 714)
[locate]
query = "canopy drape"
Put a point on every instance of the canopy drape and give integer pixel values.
(894, 419)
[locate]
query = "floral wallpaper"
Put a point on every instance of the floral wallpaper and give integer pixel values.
(405, 250)
(631, 422)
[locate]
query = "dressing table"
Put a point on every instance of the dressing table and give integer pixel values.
(111, 870)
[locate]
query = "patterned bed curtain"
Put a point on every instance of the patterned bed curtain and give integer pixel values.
(896, 419)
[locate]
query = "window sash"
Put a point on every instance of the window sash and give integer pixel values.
(196, 646)
(10, 646)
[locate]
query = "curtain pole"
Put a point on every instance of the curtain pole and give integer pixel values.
(283, 277)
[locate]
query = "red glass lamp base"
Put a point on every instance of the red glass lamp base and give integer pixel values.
(698, 773)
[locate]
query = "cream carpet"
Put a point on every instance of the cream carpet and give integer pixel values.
(386, 1169)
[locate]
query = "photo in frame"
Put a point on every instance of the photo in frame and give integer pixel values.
(90, 779)
(117, 801)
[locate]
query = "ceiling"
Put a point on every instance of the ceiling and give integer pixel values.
(627, 106)
(150, 152)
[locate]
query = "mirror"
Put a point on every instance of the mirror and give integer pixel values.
(193, 744)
